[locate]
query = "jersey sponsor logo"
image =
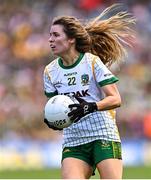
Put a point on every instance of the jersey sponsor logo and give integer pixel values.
(85, 79)
(70, 74)
(82, 93)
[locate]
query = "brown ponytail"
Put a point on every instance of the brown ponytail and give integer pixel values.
(110, 36)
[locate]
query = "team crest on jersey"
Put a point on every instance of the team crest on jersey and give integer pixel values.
(85, 79)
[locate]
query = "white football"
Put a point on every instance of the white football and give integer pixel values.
(56, 110)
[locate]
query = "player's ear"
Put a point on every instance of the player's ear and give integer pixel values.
(72, 40)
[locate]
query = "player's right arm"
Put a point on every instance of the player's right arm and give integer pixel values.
(49, 91)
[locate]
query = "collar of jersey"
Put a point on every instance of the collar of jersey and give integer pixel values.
(73, 65)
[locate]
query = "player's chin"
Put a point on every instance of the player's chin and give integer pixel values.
(54, 51)
(58, 52)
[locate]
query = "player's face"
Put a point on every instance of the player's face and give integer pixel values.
(59, 42)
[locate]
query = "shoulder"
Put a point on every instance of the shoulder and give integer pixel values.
(51, 66)
(93, 59)
(90, 56)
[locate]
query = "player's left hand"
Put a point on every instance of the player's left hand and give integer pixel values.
(81, 109)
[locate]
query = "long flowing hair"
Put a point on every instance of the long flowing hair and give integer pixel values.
(111, 36)
(106, 38)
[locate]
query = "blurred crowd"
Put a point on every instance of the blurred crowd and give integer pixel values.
(24, 52)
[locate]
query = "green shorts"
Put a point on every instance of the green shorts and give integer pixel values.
(94, 152)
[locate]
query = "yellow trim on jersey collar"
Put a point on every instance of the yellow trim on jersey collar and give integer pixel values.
(73, 65)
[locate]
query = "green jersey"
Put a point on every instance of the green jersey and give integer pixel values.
(84, 78)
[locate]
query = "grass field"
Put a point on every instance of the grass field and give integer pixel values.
(129, 173)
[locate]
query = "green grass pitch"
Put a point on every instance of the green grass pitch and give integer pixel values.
(129, 173)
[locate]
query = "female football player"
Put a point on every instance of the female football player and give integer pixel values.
(81, 70)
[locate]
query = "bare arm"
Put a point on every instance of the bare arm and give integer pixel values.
(112, 99)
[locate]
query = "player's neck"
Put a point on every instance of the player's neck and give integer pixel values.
(70, 58)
